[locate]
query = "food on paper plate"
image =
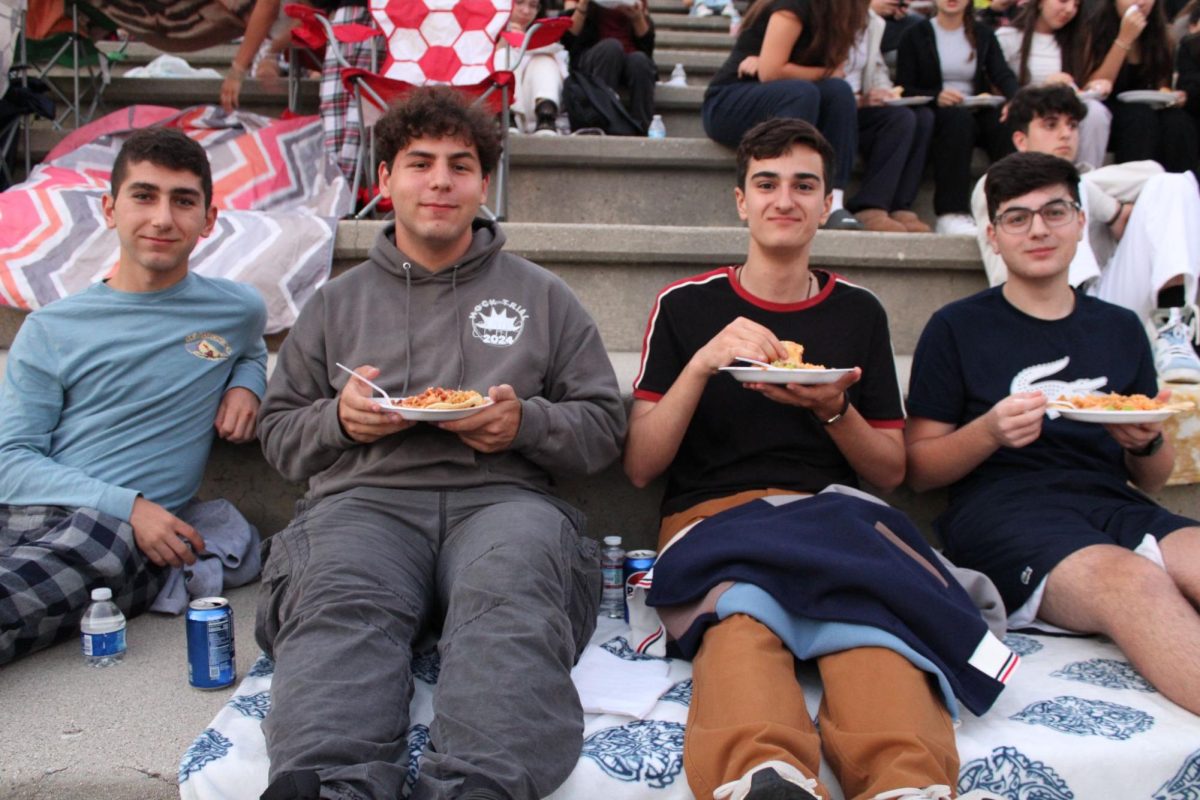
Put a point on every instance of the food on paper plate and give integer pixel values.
(436, 398)
(795, 358)
(1110, 402)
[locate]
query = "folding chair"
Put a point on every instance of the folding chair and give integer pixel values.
(67, 45)
(440, 42)
(310, 37)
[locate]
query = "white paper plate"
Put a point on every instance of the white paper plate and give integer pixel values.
(1090, 95)
(433, 414)
(808, 377)
(915, 100)
(1149, 97)
(1102, 417)
(983, 101)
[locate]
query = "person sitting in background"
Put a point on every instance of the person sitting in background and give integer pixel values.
(999, 13)
(1043, 506)
(950, 58)
(894, 140)
(110, 400)
(539, 76)
(1043, 46)
(1187, 62)
(616, 46)
(1142, 249)
(897, 19)
(1127, 44)
(789, 61)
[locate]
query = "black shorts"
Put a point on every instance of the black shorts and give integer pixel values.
(1016, 531)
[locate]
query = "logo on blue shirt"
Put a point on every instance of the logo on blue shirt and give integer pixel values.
(207, 345)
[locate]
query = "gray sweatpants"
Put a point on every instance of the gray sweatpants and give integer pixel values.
(353, 581)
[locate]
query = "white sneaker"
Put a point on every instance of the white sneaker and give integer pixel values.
(1174, 354)
(729, 10)
(701, 10)
(938, 791)
(769, 778)
(956, 225)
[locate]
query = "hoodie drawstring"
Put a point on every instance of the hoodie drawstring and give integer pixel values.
(407, 267)
(462, 355)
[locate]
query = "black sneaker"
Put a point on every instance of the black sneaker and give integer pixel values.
(771, 780)
(767, 784)
(299, 785)
(546, 115)
(842, 220)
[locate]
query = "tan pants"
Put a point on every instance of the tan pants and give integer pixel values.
(883, 724)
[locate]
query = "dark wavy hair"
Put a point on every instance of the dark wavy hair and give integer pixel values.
(1043, 101)
(1103, 25)
(835, 25)
(1021, 173)
(1068, 38)
(169, 148)
(774, 137)
(438, 112)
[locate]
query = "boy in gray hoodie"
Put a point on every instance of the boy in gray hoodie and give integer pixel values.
(414, 525)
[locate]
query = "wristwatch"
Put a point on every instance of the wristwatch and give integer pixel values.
(842, 413)
(1150, 448)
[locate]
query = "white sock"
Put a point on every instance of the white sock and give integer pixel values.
(838, 195)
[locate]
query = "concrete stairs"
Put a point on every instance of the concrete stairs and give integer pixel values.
(617, 218)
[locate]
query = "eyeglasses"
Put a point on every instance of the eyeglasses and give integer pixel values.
(1055, 214)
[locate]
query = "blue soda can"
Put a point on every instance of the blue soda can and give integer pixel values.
(210, 643)
(637, 564)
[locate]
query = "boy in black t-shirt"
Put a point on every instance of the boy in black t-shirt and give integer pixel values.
(723, 444)
(1043, 505)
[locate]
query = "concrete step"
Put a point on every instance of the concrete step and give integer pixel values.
(679, 105)
(617, 270)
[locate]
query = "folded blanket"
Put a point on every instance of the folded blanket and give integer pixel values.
(231, 556)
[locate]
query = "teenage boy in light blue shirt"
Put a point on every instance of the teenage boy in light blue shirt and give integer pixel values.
(110, 401)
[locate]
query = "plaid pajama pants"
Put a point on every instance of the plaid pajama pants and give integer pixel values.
(339, 112)
(50, 560)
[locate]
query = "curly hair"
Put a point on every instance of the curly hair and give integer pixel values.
(164, 147)
(438, 112)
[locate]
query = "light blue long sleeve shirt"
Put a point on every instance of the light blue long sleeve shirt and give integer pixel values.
(110, 394)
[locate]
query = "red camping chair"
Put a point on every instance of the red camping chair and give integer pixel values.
(309, 39)
(441, 42)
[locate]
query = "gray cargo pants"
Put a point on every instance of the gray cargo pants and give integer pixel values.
(353, 581)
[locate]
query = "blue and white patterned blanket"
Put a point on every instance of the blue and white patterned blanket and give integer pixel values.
(1076, 723)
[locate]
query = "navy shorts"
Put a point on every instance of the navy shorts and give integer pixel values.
(1018, 530)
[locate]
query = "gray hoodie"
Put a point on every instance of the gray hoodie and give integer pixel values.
(493, 318)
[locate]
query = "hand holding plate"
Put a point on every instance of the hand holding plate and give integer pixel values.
(823, 399)
(495, 427)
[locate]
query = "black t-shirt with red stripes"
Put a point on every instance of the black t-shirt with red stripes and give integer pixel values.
(737, 438)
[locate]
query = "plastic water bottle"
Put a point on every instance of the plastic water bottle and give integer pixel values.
(678, 76)
(735, 20)
(657, 129)
(562, 124)
(103, 631)
(612, 565)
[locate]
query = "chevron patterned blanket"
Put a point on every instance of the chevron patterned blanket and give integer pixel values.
(1075, 723)
(278, 197)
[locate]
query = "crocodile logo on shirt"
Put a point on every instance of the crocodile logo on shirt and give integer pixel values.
(498, 322)
(207, 345)
(1030, 379)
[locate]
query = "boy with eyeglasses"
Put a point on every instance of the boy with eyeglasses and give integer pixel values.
(1141, 247)
(1043, 506)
